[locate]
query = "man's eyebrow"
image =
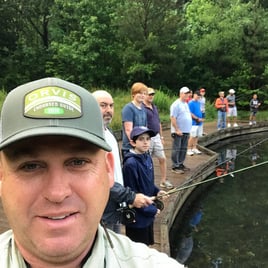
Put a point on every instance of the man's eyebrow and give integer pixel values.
(25, 151)
(106, 103)
(19, 152)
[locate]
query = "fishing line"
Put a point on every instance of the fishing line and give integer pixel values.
(239, 154)
(183, 187)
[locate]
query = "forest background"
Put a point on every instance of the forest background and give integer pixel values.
(166, 44)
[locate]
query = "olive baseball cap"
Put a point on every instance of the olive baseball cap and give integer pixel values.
(51, 106)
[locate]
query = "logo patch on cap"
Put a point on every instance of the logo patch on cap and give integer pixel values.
(52, 102)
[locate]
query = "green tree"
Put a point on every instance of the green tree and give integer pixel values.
(84, 46)
(220, 53)
(25, 49)
(149, 31)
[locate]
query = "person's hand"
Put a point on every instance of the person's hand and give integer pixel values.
(162, 194)
(142, 200)
(158, 212)
(179, 133)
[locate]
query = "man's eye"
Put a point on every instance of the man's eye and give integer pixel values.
(78, 162)
(29, 166)
(103, 105)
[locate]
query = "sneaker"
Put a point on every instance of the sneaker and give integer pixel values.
(250, 123)
(235, 125)
(167, 184)
(196, 151)
(190, 152)
(228, 125)
(184, 168)
(177, 170)
(254, 122)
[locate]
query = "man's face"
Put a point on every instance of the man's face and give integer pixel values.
(54, 190)
(149, 97)
(107, 109)
(184, 96)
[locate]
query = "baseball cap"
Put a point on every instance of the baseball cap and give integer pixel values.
(231, 91)
(150, 91)
(51, 106)
(137, 131)
(184, 90)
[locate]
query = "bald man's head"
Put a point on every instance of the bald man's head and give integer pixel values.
(106, 104)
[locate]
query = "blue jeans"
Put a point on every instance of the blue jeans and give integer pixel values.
(179, 149)
(221, 119)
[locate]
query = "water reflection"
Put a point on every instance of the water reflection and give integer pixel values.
(254, 156)
(226, 162)
(186, 242)
(234, 223)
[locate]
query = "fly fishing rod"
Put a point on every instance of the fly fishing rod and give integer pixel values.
(158, 199)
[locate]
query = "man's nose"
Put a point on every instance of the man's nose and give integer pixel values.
(57, 187)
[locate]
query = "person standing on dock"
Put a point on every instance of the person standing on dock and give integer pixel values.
(133, 114)
(232, 110)
(197, 122)
(157, 142)
(254, 107)
(118, 193)
(181, 123)
(221, 104)
(138, 174)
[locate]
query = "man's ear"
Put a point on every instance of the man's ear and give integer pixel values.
(110, 167)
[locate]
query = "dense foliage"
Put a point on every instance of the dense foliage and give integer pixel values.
(164, 43)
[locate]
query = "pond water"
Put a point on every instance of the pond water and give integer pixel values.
(231, 213)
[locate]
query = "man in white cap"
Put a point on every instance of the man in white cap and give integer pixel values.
(56, 170)
(232, 110)
(181, 124)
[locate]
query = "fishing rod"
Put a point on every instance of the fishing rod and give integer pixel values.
(158, 199)
(128, 214)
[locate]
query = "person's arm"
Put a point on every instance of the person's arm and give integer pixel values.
(226, 104)
(128, 126)
(161, 132)
(218, 103)
(120, 194)
(251, 105)
(176, 127)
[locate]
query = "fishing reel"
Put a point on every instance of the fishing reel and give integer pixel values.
(128, 214)
(159, 204)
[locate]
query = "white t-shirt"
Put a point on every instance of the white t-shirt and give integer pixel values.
(110, 139)
(180, 110)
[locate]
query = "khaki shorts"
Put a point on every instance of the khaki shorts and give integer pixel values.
(156, 147)
(232, 111)
(196, 131)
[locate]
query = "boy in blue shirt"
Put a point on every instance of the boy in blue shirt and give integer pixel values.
(138, 174)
